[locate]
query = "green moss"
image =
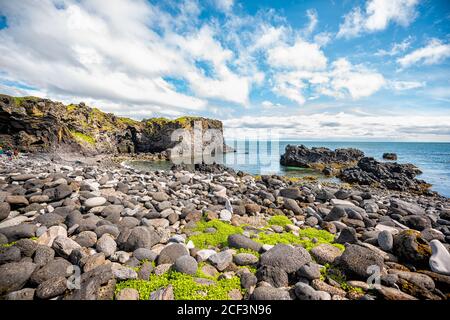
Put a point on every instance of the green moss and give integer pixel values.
(308, 238)
(279, 221)
(276, 238)
(127, 121)
(19, 100)
(7, 245)
(83, 137)
(201, 274)
(217, 239)
(243, 250)
(337, 275)
(71, 107)
(184, 287)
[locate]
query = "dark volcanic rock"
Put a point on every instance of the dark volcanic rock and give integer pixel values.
(285, 257)
(357, 259)
(389, 175)
(14, 275)
(390, 156)
(301, 156)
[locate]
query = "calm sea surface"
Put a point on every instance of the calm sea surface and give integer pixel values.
(263, 158)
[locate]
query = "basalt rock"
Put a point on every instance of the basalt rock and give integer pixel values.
(389, 175)
(319, 158)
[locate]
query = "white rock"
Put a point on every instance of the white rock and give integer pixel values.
(267, 247)
(190, 245)
(204, 254)
(95, 202)
(225, 215)
(440, 258)
(13, 222)
(382, 227)
(64, 246)
(339, 202)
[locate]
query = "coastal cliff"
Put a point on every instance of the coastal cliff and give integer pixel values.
(33, 124)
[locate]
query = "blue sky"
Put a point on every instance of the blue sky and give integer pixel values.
(341, 70)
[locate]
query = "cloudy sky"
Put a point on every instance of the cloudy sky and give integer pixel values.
(341, 70)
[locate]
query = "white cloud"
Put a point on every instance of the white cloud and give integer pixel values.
(356, 80)
(323, 38)
(340, 80)
(313, 20)
(377, 16)
(302, 55)
(434, 52)
(344, 126)
(406, 85)
(224, 5)
(112, 55)
(266, 104)
(396, 49)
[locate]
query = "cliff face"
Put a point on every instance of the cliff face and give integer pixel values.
(33, 124)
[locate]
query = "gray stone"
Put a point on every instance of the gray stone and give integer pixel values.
(144, 254)
(86, 239)
(225, 215)
(221, 260)
(20, 231)
(141, 237)
(292, 205)
(5, 209)
(240, 241)
(270, 293)
(123, 273)
(11, 254)
(14, 275)
(43, 255)
(245, 259)
(405, 208)
(325, 253)
(309, 271)
(159, 196)
(94, 202)
(60, 192)
(357, 259)
(63, 246)
(107, 229)
(186, 264)
(128, 294)
(385, 240)
(50, 219)
(17, 201)
(248, 280)
(347, 235)
(55, 268)
(275, 276)
(51, 288)
(106, 244)
(171, 253)
(305, 292)
(24, 294)
(285, 257)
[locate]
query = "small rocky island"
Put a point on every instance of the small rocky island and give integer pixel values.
(88, 228)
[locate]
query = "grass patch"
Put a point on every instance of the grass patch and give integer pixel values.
(83, 137)
(184, 287)
(279, 220)
(7, 245)
(217, 239)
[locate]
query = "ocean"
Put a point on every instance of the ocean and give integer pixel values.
(263, 157)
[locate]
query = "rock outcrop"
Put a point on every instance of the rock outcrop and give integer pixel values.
(389, 175)
(32, 124)
(319, 158)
